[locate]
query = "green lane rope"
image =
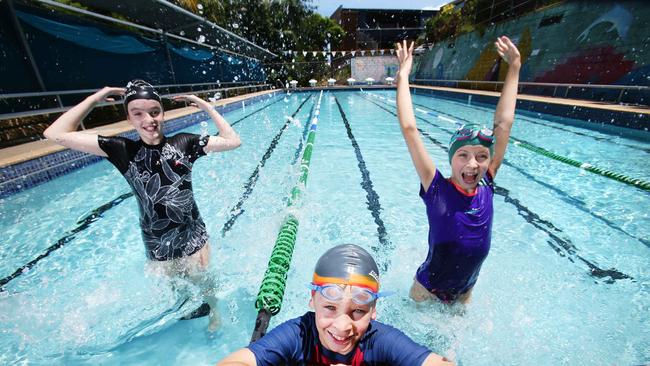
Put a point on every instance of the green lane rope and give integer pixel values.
(271, 293)
(304, 165)
(274, 282)
(639, 183)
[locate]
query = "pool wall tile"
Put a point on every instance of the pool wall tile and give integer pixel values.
(19, 177)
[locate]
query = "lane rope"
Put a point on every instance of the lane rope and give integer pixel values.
(271, 293)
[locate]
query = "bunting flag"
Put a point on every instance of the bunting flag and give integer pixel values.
(295, 53)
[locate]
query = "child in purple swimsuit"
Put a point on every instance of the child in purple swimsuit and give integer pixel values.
(459, 208)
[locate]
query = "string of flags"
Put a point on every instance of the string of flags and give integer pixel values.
(334, 53)
(342, 53)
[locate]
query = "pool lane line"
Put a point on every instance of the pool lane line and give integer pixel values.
(94, 215)
(564, 247)
(237, 210)
(635, 182)
(579, 204)
(269, 299)
(82, 224)
(372, 198)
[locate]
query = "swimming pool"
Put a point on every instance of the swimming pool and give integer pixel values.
(566, 282)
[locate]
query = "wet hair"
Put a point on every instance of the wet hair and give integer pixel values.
(140, 89)
(347, 264)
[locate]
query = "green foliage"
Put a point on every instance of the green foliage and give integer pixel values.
(476, 15)
(451, 21)
(278, 25)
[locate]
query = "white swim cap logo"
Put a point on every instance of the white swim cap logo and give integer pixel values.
(374, 275)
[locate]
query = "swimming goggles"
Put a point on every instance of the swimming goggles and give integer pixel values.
(466, 132)
(359, 295)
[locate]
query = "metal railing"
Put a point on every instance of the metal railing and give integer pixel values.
(561, 90)
(54, 101)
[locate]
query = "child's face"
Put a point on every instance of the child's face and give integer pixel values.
(468, 166)
(341, 324)
(146, 115)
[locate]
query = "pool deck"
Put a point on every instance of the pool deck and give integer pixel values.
(32, 150)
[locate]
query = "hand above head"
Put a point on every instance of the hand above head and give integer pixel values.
(508, 51)
(405, 58)
(192, 99)
(103, 94)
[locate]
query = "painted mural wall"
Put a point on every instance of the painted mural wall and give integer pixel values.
(581, 42)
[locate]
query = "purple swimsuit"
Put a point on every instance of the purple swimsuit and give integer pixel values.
(460, 227)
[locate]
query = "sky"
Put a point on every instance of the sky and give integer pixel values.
(327, 7)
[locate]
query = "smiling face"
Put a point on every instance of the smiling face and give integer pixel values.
(468, 166)
(341, 324)
(146, 116)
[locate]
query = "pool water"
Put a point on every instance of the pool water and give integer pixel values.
(567, 280)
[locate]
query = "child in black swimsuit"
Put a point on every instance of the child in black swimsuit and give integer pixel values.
(158, 169)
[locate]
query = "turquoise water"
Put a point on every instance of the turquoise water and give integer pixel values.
(566, 282)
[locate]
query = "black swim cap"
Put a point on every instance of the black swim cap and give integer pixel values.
(347, 264)
(140, 89)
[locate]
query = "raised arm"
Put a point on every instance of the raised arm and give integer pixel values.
(64, 130)
(243, 357)
(421, 159)
(505, 112)
(228, 139)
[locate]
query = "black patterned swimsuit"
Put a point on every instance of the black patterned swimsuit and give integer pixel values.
(161, 179)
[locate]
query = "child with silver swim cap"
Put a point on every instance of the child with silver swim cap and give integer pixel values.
(459, 208)
(158, 169)
(342, 329)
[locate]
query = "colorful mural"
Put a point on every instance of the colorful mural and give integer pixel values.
(582, 42)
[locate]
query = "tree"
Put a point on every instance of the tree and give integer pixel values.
(279, 26)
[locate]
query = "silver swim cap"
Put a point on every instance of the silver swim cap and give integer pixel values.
(347, 264)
